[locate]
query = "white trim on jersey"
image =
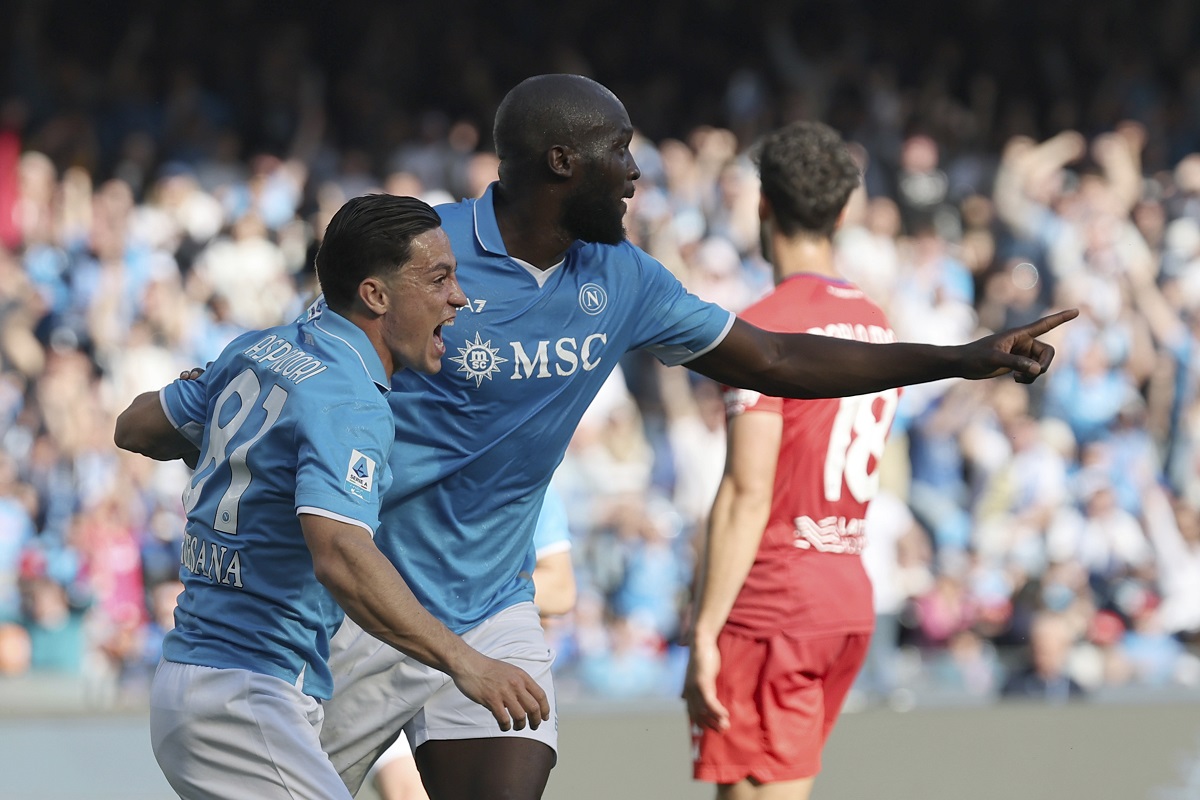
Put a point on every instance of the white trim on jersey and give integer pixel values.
(366, 369)
(561, 546)
(539, 275)
(663, 351)
(192, 431)
(321, 512)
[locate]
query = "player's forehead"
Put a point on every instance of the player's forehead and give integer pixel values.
(609, 125)
(431, 252)
(612, 115)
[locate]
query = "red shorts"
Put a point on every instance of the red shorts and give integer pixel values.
(783, 696)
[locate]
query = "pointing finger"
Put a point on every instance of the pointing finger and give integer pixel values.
(1049, 323)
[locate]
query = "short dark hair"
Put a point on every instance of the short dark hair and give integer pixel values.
(369, 236)
(807, 177)
(547, 110)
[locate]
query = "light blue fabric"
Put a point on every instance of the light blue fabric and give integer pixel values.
(287, 419)
(480, 439)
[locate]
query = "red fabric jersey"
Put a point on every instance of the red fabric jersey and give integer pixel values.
(807, 577)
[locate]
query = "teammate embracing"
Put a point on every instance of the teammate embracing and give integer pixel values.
(784, 612)
(294, 432)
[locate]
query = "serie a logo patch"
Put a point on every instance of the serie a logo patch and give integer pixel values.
(361, 472)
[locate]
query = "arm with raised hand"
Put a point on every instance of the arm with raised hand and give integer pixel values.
(1120, 156)
(1141, 275)
(1025, 167)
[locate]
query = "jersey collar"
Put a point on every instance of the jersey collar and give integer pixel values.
(816, 276)
(334, 324)
(487, 231)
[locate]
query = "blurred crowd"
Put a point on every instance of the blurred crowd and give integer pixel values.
(1037, 541)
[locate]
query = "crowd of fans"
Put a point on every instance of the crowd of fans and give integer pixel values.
(1028, 540)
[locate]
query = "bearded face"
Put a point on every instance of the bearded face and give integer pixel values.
(595, 211)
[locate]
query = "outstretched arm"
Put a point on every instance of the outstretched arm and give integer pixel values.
(807, 366)
(373, 594)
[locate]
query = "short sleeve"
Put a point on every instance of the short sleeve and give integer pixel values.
(673, 324)
(342, 461)
(186, 405)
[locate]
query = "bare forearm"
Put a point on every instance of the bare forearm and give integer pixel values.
(734, 533)
(373, 594)
(144, 428)
(808, 366)
(1163, 320)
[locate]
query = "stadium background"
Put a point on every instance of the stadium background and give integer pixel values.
(165, 170)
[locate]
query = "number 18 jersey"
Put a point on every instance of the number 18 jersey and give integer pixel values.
(807, 577)
(289, 420)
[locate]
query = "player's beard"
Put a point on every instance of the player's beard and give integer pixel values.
(591, 213)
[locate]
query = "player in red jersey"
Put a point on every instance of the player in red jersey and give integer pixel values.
(784, 611)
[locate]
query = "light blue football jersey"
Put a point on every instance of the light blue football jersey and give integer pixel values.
(523, 361)
(289, 420)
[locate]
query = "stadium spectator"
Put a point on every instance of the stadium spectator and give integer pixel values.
(1045, 676)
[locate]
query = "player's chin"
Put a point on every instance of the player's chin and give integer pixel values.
(432, 363)
(427, 361)
(433, 353)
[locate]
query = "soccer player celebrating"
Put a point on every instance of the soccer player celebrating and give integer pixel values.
(555, 296)
(294, 433)
(784, 609)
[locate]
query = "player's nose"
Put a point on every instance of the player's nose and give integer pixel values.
(457, 298)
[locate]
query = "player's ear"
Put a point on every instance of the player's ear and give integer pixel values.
(373, 294)
(841, 220)
(764, 208)
(561, 160)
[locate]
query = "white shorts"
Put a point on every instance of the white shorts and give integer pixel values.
(221, 733)
(378, 691)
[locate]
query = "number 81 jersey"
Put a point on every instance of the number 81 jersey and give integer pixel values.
(807, 572)
(289, 420)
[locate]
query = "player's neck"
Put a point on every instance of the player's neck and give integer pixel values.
(390, 367)
(793, 255)
(521, 218)
(372, 326)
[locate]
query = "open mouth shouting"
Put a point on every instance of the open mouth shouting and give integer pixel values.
(438, 342)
